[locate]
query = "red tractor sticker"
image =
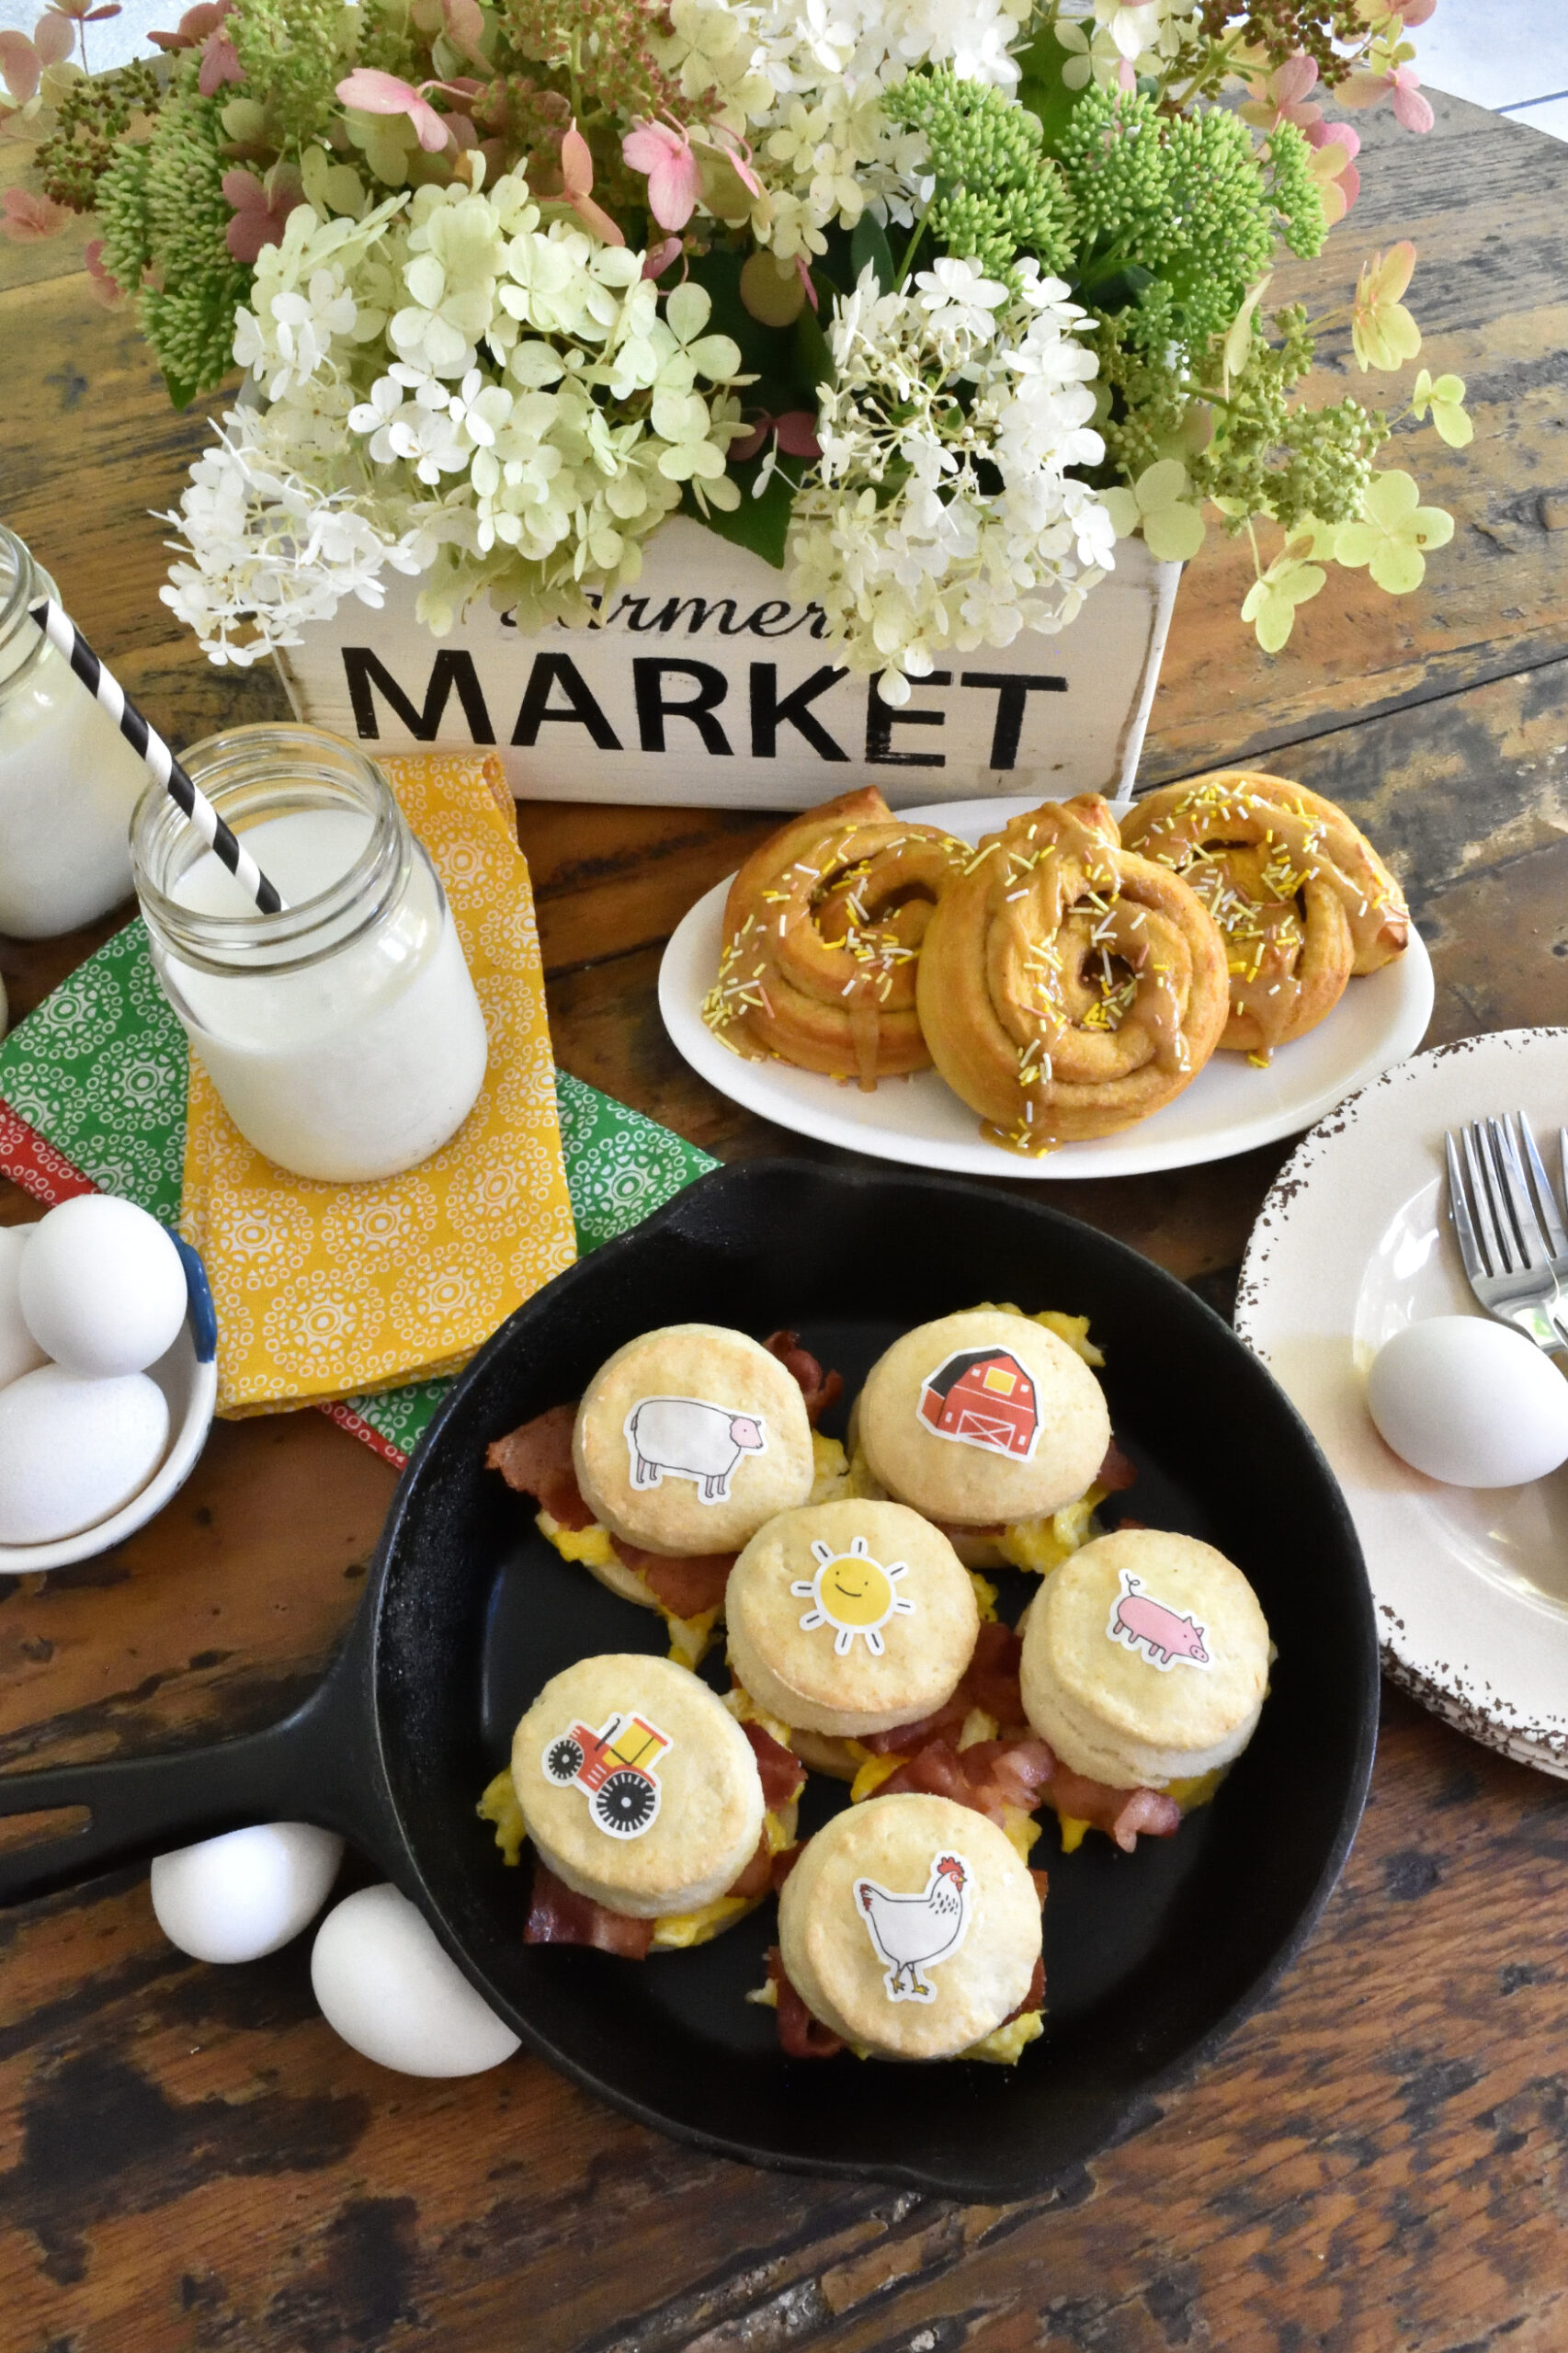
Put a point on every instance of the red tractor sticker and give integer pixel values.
(982, 1397)
(614, 1769)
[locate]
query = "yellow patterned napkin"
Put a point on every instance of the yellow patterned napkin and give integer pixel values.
(331, 1291)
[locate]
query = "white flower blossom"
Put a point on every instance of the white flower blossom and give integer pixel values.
(942, 392)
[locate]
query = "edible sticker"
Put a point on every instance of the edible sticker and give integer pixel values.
(686, 1438)
(1166, 1637)
(915, 1932)
(982, 1397)
(614, 1769)
(853, 1593)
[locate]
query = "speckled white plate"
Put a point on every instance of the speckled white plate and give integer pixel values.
(1354, 1242)
(1231, 1106)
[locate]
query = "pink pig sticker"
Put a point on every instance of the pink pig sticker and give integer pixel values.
(1164, 1636)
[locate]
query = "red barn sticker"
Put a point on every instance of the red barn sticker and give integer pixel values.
(982, 1397)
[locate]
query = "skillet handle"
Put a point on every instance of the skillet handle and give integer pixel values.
(310, 1768)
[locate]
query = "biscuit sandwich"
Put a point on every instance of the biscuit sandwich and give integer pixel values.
(848, 1620)
(990, 1423)
(656, 1811)
(1145, 1666)
(683, 1444)
(909, 1929)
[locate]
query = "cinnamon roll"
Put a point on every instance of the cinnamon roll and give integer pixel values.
(1302, 898)
(1067, 987)
(822, 932)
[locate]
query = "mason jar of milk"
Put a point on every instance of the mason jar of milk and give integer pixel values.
(69, 781)
(343, 1034)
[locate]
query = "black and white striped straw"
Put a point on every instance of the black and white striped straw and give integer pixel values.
(159, 761)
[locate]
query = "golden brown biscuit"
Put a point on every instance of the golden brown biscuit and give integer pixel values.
(1145, 1659)
(910, 1927)
(981, 1417)
(689, 1438)
(850, 1617)
(638, 1786)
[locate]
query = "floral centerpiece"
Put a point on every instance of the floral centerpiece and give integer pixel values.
(930, 300)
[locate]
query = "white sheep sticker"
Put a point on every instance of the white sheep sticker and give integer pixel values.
(685, 1437)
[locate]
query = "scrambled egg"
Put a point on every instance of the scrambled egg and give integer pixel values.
(1073, 1329)
(830, 1467)
(689, 1637)
(1043, 1545)
(985, 1598)
(499, 1805)
(1006, 2045)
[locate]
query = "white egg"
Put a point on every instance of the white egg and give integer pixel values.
(20, 1352)
(102, 1286)
(71, 1451)
(1470, 1402)
(389, 1989)
(246, 1893)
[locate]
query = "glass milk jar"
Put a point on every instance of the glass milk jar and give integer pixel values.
(342, 1033)
(69, 781)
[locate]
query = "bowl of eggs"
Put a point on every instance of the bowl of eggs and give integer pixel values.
(108, 1378)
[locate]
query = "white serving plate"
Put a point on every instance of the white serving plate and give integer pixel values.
(1471, 1583)
(186, 1373)
(1231, 1106)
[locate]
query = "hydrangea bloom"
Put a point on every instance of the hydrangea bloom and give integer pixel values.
(944, 390)
(545, 406)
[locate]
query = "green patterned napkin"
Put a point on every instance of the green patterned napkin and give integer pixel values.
(94, 1081)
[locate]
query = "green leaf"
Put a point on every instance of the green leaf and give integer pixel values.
(1043, 89)
(869, 244)
(760, 524)
(812, 356)
(180, 394)
(770, 354)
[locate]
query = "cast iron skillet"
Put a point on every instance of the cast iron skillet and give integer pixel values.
(1151, 1958)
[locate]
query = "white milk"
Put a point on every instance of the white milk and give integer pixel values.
(364, 1059)
(69, 781)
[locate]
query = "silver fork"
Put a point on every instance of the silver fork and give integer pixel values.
(1510, 1235)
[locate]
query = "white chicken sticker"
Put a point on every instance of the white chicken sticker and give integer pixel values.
(915, 1932)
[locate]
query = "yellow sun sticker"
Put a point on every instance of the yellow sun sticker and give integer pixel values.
(853, 1593)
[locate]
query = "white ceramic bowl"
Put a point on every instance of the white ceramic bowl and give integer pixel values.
(188, 1375)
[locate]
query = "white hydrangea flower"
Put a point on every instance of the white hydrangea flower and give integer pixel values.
(948, 563)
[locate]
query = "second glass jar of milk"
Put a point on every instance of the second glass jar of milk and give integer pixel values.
(343, 1034)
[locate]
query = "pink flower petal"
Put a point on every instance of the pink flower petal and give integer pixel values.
(27, 218)
(372, 92)
(54, 37)
(657, 259)
(1294, 78)
(803, 272)
(219, 63)
(1409, 106)
(742, 451)
(576, 164)
(672, 172)
(20, 64)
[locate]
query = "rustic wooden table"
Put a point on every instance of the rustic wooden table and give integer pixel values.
(1379, 2161)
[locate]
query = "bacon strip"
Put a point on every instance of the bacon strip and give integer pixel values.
(535, 1460)
(1116, 1472)
(1034, 1999)
(800, 2035)
(989, 1681)
(558, 1915)
(820, 1390)
(756, 1879)
(991, 1777)
(783, 1775)
(684, 1583)
(1123, 1814)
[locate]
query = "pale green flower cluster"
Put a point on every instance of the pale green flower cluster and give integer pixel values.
(502, 404)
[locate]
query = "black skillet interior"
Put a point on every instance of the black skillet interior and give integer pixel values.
(1149, 1958)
